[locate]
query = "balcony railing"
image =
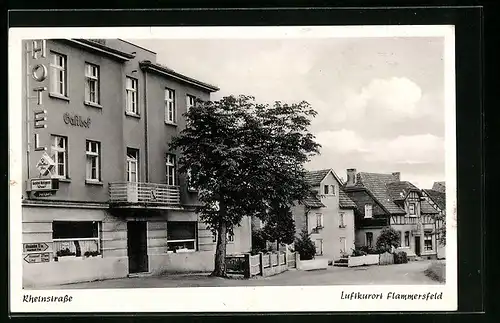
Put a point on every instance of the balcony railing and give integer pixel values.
(133, 193)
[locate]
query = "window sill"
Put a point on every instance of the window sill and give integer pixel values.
(92, 104)
(171, 123)
(133, 115)
(58, 96)
(90, 182)
(63, 180)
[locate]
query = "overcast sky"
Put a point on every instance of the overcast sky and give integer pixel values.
(379, 100)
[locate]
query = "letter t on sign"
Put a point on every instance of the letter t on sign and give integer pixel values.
(39, 91)
(39, 46)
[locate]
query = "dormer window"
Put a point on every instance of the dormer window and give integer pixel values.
(368, 211)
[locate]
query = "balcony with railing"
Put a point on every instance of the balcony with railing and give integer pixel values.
(143, 194)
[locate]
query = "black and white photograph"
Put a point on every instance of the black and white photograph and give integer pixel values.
(293, 161)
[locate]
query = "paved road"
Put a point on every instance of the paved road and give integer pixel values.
(404, 274)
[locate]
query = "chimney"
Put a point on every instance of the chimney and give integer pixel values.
(397, 175)
(351, 177)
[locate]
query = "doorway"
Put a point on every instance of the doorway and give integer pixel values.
(417, 245)
(137, 247)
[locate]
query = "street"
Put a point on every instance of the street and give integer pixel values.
(403, 274)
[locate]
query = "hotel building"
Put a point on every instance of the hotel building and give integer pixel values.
(102, 196)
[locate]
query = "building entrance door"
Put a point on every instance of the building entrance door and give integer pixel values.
(137, 247)
(417, 245)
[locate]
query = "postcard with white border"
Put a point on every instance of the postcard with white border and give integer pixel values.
(307, 168)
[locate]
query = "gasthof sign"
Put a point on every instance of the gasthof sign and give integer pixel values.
(44, 184)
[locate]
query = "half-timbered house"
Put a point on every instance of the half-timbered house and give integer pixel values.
(437, 199)
(384, 200)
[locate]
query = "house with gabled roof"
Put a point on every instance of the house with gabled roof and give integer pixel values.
(383, 200)
(437, 199)
(328, 215)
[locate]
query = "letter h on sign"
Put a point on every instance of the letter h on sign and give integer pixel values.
(39, 47)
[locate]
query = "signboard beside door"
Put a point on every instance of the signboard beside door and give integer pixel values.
(33, 258)
(35, 247)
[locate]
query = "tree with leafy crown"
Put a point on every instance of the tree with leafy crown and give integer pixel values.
(280, 225)
(387, 239)
(243, 156)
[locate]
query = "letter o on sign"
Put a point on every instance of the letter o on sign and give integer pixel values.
(39, 72)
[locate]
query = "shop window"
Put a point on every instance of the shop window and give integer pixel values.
(181, 236)
(76, 238)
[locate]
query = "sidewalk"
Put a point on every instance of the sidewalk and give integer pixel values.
(403, 274)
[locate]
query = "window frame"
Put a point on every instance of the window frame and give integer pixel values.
(190, 104)
(55, 74)
(97, 156)
(55, 150)
(407, 239)
(170, 103)
(170, 166)
(342, 220)
(131, 161)
(95, 79)
(369, 241)
(428, 237)
(320, 246)
(134, 95)
(368, 215)
(326, 189)
(319, 221)
(343, 246)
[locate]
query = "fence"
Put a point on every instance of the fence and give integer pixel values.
(386, 259)
(262, 264)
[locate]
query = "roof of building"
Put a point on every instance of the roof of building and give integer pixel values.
(315, 177)
(376, 185)
(164, 70)
(399, 190)
(437, 197)
(344, 201)
(100, 47)
(313, 201)
(439, 186)
(426, 208)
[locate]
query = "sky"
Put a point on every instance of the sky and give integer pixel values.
(380, 101)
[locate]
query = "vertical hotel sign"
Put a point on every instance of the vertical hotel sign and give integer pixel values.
(37, 73)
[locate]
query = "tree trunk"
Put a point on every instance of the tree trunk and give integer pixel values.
(220, 252)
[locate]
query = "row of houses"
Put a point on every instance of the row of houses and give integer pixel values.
(102, 195)
(342, 216)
